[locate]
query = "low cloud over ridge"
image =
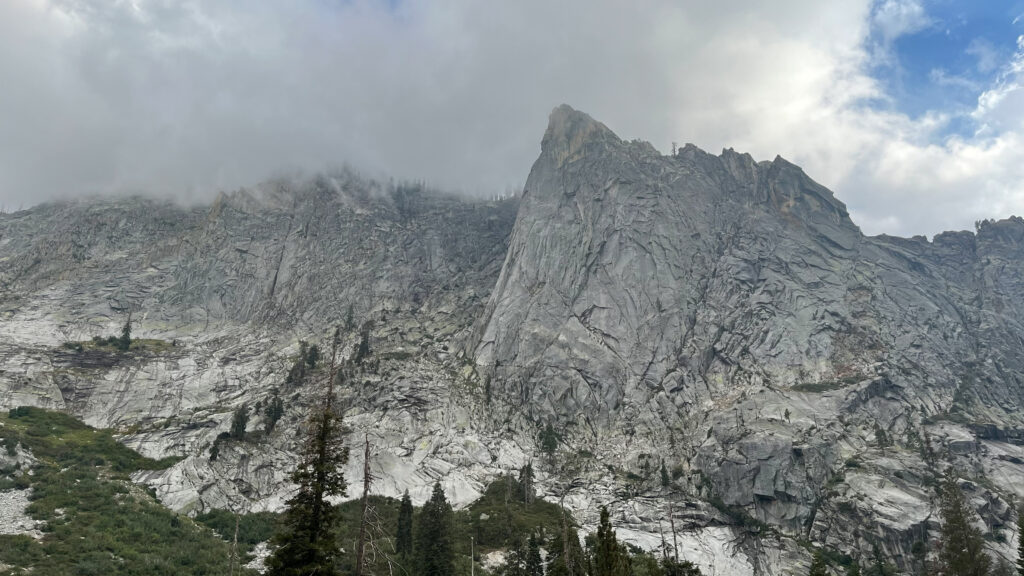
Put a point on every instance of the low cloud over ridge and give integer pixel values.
(185, 98)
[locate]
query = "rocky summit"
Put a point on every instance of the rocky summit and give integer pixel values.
(697, 340)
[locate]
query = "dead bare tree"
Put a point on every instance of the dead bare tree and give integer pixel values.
(234, 549)
(378, 543)
(672, 523)
(566, 547)
(361, 546)
(664, 546)
(373, 540)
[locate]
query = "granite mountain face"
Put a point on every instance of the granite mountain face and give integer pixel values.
(709, 333)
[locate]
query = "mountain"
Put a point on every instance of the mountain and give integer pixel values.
(707, 335)
(224, 293)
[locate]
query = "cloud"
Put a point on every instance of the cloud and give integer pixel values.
(1002, 105)
(987, 55)
(944, 78)
(184, 98)
(895, 18)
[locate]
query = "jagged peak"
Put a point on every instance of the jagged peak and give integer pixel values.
(564, 120)
(1007, 230)
(732, 153)
(568, 129)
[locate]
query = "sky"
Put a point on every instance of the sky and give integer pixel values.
(911, 111)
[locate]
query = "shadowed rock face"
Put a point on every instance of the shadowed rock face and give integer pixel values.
(714, 317)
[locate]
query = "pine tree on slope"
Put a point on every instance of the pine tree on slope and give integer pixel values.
(609, 557)
(435, 552)
(534, 563)
(403, 535)
(961, 549)
(1020, 541)
(818, 566)
(307, 544)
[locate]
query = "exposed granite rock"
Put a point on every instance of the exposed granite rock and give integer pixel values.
(227, 291)
(727, 315)
(714, 316)
(13, 517)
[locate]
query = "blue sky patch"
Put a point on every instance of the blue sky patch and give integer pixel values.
(940, 55)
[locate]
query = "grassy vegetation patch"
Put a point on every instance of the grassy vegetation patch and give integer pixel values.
(496, 524)
(252, 528)
(154, 345)
(96, 521)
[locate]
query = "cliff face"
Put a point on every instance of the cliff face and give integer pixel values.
(640, 280)
(706, 330)
(285, 253)
(726, 316)
(224, 293)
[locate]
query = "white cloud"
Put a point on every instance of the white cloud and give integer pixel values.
(985, 53)
(186, 97)
(895, 18)
(1001, 106)
(943, 78)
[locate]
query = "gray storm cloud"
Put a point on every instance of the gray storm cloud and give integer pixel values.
(184, 99)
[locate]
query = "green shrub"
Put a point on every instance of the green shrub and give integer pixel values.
(506, 524)
(252, 528)
(106, 525)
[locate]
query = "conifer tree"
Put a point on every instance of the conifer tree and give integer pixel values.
(818, 566)
(239, 422)
(312, 356)
(403, 536)
(557, 565)
(645, 565)
(297, 373)
(879, 567)
(526, 483)
(853, 569)
(515, 560)
(125, 341)
(549, 440)
(307, 544)
(919, 552)
(609, 558)
(961, 548)
(682, 568)
(273, 412)
(534, 564)
(1020, 541)
(435, 552)
(363, 348)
